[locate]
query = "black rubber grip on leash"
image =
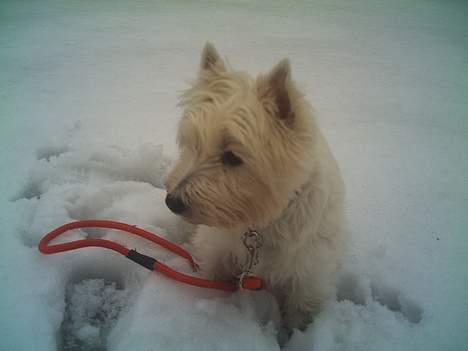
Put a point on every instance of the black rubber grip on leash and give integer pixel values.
(143, 260)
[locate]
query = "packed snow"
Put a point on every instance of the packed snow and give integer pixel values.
(88, 108)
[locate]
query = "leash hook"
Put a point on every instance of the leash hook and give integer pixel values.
(252, 241)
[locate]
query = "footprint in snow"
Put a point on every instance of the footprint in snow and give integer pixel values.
(48, 152)
(354, 289)
(92, 308)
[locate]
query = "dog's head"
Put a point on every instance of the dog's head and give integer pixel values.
(243, 145)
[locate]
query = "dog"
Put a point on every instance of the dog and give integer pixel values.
(253, 160)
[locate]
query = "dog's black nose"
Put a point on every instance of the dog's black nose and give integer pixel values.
(175, 203)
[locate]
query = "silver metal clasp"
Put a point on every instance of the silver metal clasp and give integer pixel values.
(252, 241)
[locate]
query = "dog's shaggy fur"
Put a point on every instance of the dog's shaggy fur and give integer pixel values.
(252, 156)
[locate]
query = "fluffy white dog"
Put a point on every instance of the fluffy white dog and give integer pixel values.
(253, 157)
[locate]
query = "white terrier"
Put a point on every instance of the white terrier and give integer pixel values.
(253, 157)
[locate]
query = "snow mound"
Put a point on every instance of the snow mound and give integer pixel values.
(95, 285)
(88, 289)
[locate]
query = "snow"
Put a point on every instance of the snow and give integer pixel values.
(88, 95)
(92, 308)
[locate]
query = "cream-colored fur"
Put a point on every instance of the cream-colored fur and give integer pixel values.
(287, 184)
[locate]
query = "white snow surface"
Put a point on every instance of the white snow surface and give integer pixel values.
(88, 95)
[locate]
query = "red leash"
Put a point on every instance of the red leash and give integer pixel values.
(247, 282)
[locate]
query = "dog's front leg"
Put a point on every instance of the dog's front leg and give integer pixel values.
(212, 250)
(302, 303)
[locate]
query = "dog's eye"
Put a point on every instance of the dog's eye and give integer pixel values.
(230, 159)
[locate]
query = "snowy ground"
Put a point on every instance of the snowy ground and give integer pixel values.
(88, 93)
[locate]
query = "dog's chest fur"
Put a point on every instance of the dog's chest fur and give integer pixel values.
(300, 239)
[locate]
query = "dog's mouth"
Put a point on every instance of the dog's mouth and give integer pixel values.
(195, 218)
(211, 215)
(223, 221)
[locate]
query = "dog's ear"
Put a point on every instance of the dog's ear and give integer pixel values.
(276, 86)
(210, 59)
